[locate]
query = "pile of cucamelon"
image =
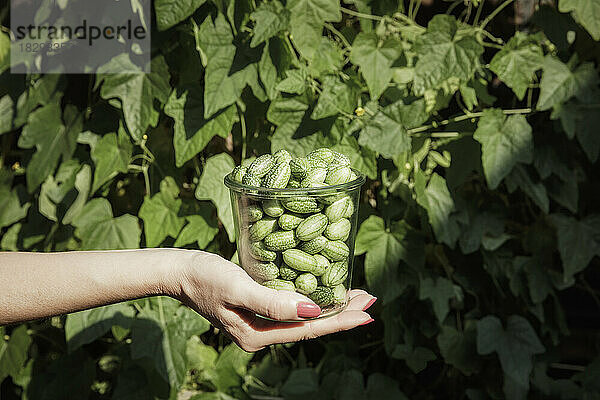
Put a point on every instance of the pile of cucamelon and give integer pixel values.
(298, 243)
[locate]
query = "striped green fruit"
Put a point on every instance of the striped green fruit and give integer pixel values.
(322, 263)
(238, 173)
(311, 227)
(262, 228)
(251, 180)
(302, 261)
(339, 160)
(254, 213)
(278, 177)
(339, 294)
(261, 166)
(323, 154)
(336, 251)
(322, 295)
(299, 168)
(350, 209)
(338, 175)
(314, 177)
(289, 221)
(302, 205)
(339, 230)
(281, 240)
(260, 252)
(287, 273)
(261, 272)
(336, 274)
(314, 246)
(317, 163)
(337, 210)
(282, 156)
(272, 208)
(306, 283)
(280, 284)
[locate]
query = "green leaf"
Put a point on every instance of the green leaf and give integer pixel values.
(306, 22)
(416, 357)
(586, 12)
(14, 352)
(86, 326)
(6, 111)
(438, 202)
(221, 88)
(161, 215)
(361, 158)
(211, 187)
(505, 141)
(269, 19)
(514, 345)
(444, 55)
(192, 132)
(11, 207)
(57, 188)
(230, 367)
(538, 280)
(200, 357)
(481, 225)
(136, 91)
(200, 229)
(559, 83)
(385, 133)
(519, 177)
(98, 230)
(384, 251)
(52, 139)
(581, 120)
(380, 386)
(294, 82)
(336, 97)
(374, 58)
(302, 382)
(578, 242)
(111, 155)
(171, 12)
(518, 61)
(328, 58)
(459, 348)
(439, 292)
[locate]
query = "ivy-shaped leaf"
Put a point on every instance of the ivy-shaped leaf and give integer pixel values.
(171, 12)
(444, 55)
(11, 207)
(439, 291)
(518, 61)
(306, 22)
(13, 353)
(580, 120)
(385, 133)
(211, 187)
(6, 113)
(161, 214)
(560, 83)
(111, 155)
(269, 19)
(516, 345)
(459, 348)
(361, 158)
(336, 97)
(192, 131)
(416, 357)
(201, 228)
(375, 57)
(99, 230)
(505, 141)
(586, 12)
(52, 139)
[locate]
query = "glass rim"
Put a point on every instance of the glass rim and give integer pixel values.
(258, 190)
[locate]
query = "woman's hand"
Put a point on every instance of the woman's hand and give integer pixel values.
(223, 293)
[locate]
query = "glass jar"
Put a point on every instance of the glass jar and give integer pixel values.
(299, 239)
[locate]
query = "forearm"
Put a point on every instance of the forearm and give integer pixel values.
(38, 285)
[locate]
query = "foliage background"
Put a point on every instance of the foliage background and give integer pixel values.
(485, 267)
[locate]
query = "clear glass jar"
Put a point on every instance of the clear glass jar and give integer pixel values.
(257, 212)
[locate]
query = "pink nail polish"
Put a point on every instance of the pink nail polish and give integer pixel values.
(367, 321)
(308, 310)
(370, 303)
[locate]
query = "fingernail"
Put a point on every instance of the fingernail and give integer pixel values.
(367, 321)
(370, 303)
(308, 310)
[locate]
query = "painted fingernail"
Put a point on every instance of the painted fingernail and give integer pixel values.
(308, 310)
(367, 321)
(370, 303)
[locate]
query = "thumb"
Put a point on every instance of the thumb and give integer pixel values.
(277, 304)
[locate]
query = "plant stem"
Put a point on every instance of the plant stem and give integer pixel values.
(494, 13)
(243, 128)
(339, 35)
(360, 15)
(292, 50)
(478, 14)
